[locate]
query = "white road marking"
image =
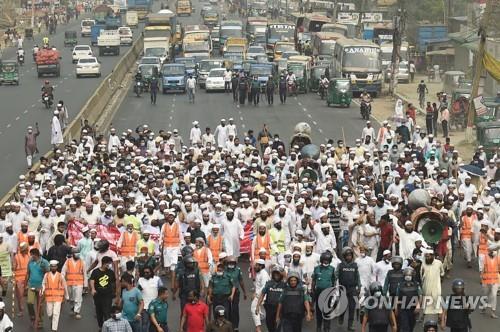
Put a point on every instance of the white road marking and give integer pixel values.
(25, 111)
(171, 117)
(66, 78)
(33, 106)
(243, 125)
(300, 104)
(9, 125)
(304, 109)
(17, 118)
(309, 116)
(315, 123)
(320, 131)
(241, 118)
(173, 105)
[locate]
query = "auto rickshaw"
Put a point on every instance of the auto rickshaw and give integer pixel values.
(315, 76)
(488, 135)
(460, 99)
(9, 72)
(300, 72)
(492, 111)
(70, 38)
(339, 92)
(28, 34)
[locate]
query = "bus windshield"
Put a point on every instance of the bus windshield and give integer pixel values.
(231, 32)
(261, 70)
(327, 47)
(281, 31)
(362, 57)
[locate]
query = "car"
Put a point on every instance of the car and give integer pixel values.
(403, 74)
(81, 51)
(173, 77)
(215, 80)
(88, 66)
(125, 36)
(150, 60)
(254, 51)
(204, 68)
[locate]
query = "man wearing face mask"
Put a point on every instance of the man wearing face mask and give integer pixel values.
(187, 280)
(394, 276)
(323, 277)
(113, 141)
(348, 276)
(456, 314)
(74, 272)
(378, 317)
(431, 272)
(116, 322)
(261, 278)
(278, 237)
(102, 287)
(237, 279)
(407, 238)
(294, 305)
(221, 290)
(409, 292)
(489, 269)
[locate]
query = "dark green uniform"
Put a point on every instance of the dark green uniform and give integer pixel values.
(221, 290)
(255, 92)
(324, 277)
(234, 312)
(159, 308)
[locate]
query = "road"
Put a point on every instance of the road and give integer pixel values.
(22, 107)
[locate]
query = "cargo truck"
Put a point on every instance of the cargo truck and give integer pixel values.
(47, 62)
(109, 42)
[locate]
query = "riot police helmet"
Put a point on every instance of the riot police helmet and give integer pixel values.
(326, 257)
(430, 324)
(375, 287)
(346, 251)
(187, 251)
(457, 284)
(397, 260)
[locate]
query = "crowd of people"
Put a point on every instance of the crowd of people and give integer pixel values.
(154, 210)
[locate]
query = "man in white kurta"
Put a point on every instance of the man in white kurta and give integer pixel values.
(221, 133)
(407, 238)
(233, 232)
(431, 272)
(56, 137)
(261, 278)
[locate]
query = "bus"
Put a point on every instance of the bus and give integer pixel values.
(278, 32)
(319, 6)
(335, 27)
(323, 43)
(360, 61)
(254, 27)
(312, 23)
(229, 28)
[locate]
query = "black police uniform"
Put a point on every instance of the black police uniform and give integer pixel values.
(234, 88)
(348, 276)
(282, 90)
(270, 91)
(292, 309)
(407, 292)
(273, 291)
(189, 280)
(242, 87)
(378, 316)
(457, 317)
(392, 280)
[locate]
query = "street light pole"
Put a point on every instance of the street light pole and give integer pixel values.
(399, 23)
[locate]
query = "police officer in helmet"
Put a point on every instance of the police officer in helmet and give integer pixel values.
(394, 276)
(187, 280)
(293, 305)
(379, 313)
(221, 290)
(456, 313)
(220, 323)
(348, 276)
(409, 294)
(234, 272)
(323, 277)
(272, 292)
(431, 326)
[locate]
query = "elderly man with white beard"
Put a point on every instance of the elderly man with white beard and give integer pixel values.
(407, 238)
(233, 232)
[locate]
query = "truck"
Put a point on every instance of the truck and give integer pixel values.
(184, 7)
(109, 42)
(429, 32)
(95, 31)
(47, 62)
(142, 7)
(132, 19)
(158, 47)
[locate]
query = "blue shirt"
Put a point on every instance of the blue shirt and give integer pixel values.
(37, 270)
(131, 299)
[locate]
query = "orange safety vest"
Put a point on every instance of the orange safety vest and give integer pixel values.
(262, 242)
(21, 266)
(54, 290)
(129, 242)
(171, 235)
(483, 244)
(21, 237)
(490, 270)
(74, 272)
(466, 229)
(215, 245)
(201, 257)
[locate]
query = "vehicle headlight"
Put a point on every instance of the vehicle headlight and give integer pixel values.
(343, 90)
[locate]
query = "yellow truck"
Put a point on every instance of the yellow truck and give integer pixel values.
(235, 45)
(184, 7)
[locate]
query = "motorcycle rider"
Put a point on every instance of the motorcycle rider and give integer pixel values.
(323, 85)
(138, 79)
(291, 80)
(45, 42)
(49, 90)
(20, 55)
(365, 100)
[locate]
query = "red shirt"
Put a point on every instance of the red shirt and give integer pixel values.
(195, 316)
(386, 234)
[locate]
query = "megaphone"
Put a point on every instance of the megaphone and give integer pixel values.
(429, 223)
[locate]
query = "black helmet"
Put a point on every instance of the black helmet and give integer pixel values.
(231, 259)
(277, 269)
(429, 324)
(189, 259)
(326, 256)
(409, 272)
(375, 287)
(219, 310)
(293, 274)
(397, 260)
(457, 284)
(102, 245)
(347, 250)
(187, 251)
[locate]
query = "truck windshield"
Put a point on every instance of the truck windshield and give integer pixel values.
(173, 70)
(154, 51)
(231, 32)
(207, 65)
(261, 70)
(281, 31)
(362, 57)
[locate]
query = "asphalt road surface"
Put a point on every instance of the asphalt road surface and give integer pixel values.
(22, 107)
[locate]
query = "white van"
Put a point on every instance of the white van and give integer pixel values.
(86, 26)
(132, 19)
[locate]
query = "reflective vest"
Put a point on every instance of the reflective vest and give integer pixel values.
(483, 244)
(215, 245)
(128, 244)
(466, 229)
(74, 272)
(490, 270)
(262, 242)
(21, 237)
(201, 257)
(171, 235)
(35, 245)
(21, 266)
(278, 238)
(54, 289)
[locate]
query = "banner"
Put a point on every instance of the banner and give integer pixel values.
(479, 106)
(5, 264)
(110, 233)
(491, 65)
(246, 243)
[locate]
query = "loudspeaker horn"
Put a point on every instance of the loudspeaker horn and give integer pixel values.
(429, 223)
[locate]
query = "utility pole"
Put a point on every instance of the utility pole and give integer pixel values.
(478, 68)
(399, 24)
(362, 8)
